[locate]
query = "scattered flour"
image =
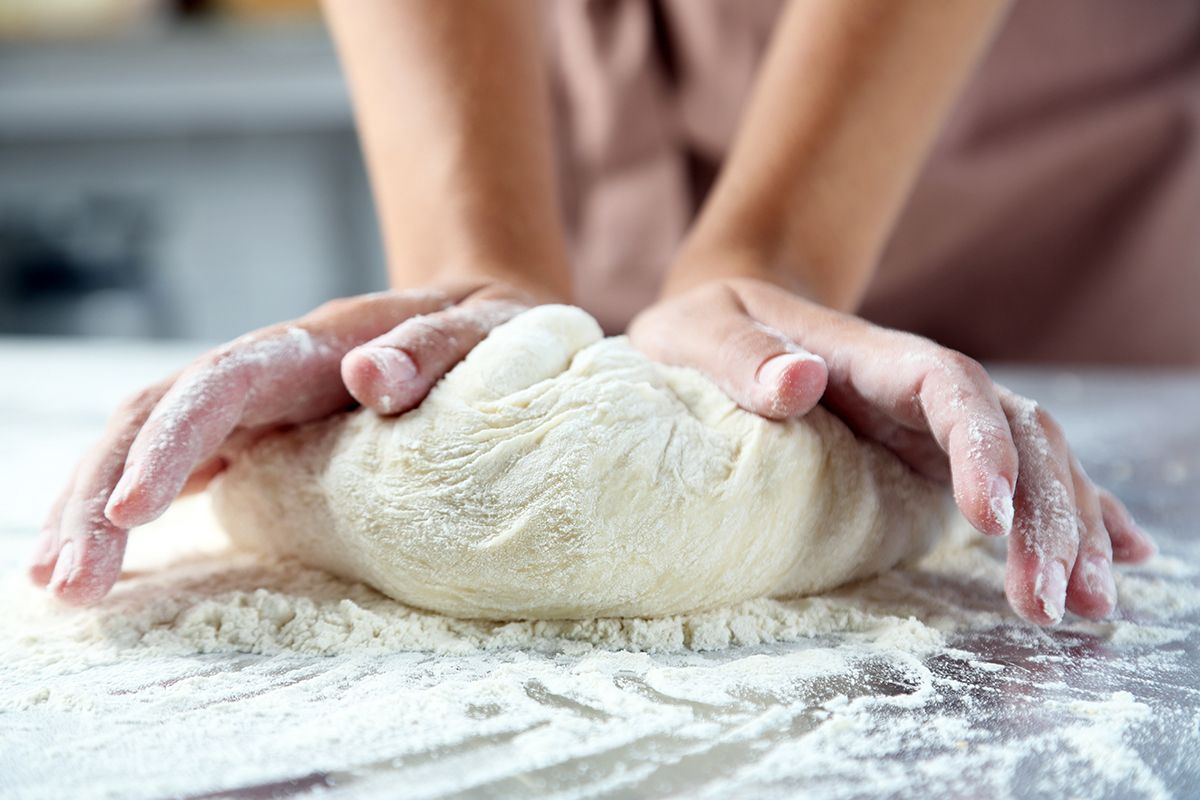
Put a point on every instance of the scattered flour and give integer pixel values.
(210, 670)
(186, 591)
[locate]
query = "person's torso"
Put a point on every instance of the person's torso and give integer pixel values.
(1058, 217)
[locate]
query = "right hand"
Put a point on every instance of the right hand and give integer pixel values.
(778, 354)
(385, 350)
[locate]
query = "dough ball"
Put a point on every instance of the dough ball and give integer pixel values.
(555, 473)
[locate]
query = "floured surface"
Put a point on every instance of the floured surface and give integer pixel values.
(919, 709)
(282, 674)
(187, 591)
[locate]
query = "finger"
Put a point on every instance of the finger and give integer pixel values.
(268, 377)
(43, 557)
(1045, 534)
(138, 468)
(45, 549)
(283, 374)
(881, 378)
(1130, 544)
(392, 373)
(202, 475)
(1091, 591)
(758, 367)
(962, 408)
(919, 449)
(90, 546)
(185, 428)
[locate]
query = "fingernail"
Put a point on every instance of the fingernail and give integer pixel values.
(1000, 498)
(770, 373)
(1050, 588)
(43, 551)
(1097, 577)
(395, 366)
(65, 567)
(1137, 529)
(1124, 552)
(1146, 538)
(120, 493)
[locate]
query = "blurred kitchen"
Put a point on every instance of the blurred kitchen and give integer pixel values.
(175, 169)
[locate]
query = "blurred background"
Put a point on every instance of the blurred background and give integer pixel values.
(175, 168)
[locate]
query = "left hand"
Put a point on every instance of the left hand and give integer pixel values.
(385, 350)
(778, 355)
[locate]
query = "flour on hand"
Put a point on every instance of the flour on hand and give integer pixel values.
(557, 474)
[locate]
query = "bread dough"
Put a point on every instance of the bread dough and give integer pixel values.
(558, 474)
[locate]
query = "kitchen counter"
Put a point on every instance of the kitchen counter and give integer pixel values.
(1006, 712)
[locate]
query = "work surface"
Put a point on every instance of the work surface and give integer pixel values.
(1088, 711)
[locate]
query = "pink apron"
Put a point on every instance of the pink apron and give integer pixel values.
(1058, 218)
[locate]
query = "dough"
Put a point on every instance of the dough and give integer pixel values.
(558, 474)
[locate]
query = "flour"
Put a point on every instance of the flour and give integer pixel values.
(280, 674)
(210, 670)
(187, 591)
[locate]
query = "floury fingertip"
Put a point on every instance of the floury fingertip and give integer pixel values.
(393, 365)
(64, 570)
(1000, 500)
(1050, 589)
(1097, 576)
(119, 496)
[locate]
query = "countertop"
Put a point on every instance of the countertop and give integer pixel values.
(999, 713)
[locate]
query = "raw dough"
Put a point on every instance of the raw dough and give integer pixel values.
(558, 474)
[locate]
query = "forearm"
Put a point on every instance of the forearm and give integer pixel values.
(452, 113)
(848, 101)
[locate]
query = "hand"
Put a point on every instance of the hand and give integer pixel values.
(777, 355)
(385, 350)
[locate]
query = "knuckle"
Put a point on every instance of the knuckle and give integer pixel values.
(650, 332)
(719, 292)
(338, 306)
(916, 347)
(922, 363)
(962, 369)
(741, 284)
(220, 357)
(138, 404)
(1108, 500)
(432, 296)
(499, 292)
(226, 366)
(987, 437)
(425, 334)
(480, 317)
(741, 347)
(702, 302)
(1049, 425)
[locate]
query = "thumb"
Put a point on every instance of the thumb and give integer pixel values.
(392, 373)
(758, 367)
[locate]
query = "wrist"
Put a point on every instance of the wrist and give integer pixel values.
(694, 267)
(473, 241)
(837, 289)
(535, 280)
